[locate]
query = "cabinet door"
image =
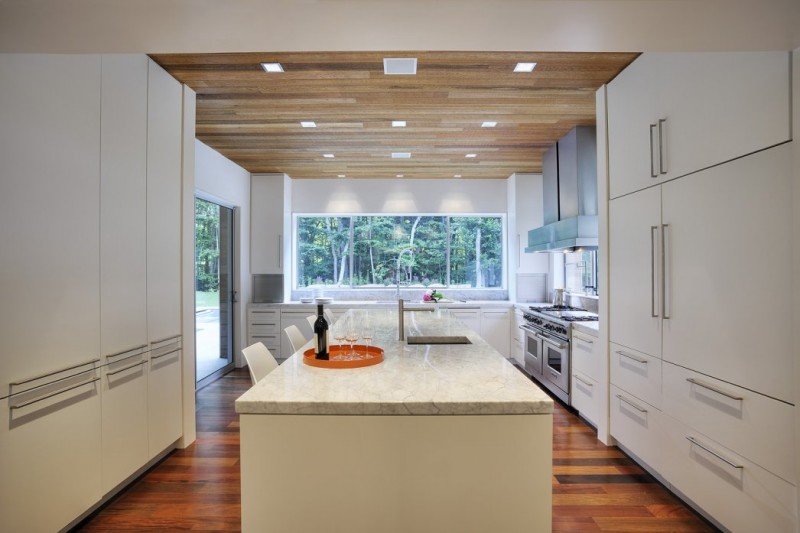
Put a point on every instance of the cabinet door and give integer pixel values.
(164, 150)
(49, 213)
(266, 224)
(729, 244)
(123, 204)
(470, 317)
(720, 106)
(495, 325)
(164, 411)
(634, 247)
(632, 107)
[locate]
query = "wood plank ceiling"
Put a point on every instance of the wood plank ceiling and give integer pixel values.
(253, 117)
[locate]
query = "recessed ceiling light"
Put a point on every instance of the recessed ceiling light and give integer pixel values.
(524, 67)
(340, 176)
(401, 155)
(489, 124)
(308, 124)
(398, 123)
(471, 155)
(272, 67)
(399, 65)
(457, 175)
(328, 156)
(400, 175)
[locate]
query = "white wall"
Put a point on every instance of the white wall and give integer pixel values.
(219, 179)
(239, 25)
(398, 196)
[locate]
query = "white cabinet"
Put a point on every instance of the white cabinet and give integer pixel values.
(164, 410)
(264, 326)
(528, 201)
(164, 148)
(636, 373)
(589, 389)
(639, 427)
(728, 243)
(470, 316)
(495, 324)
(634, 273)
(266, 224)
(673, 114)
(587, 396)
(123, 268)
(518, 338)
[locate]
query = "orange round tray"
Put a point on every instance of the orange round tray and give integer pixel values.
(340, 357)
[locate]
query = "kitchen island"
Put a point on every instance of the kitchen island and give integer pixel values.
(436, 438)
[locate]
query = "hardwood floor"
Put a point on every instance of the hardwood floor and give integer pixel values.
(595, 488)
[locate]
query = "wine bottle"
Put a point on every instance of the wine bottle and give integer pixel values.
(321, 335)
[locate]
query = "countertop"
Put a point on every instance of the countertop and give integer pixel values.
(590, 328)
(391, 304)
(471, 379)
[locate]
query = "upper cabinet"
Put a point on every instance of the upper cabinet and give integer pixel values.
(673, 114)
(266, 224)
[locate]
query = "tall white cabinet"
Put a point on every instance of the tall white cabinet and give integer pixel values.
(90, 228)
(701, 351)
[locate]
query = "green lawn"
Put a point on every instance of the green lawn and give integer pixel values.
(206, 299)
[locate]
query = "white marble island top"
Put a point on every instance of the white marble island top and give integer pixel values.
(459, 379)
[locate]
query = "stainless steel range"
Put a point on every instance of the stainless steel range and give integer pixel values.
(548, 331)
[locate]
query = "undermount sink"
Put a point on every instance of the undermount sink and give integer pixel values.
(438, 339)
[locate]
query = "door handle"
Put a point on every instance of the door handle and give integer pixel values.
(665, 288)
(653, 303)
(653, 173)
(661, 167)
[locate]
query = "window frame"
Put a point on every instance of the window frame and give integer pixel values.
(295, 247)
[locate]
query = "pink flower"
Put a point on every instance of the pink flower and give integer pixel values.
(426, 297)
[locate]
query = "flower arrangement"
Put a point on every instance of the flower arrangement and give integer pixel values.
(432, 296)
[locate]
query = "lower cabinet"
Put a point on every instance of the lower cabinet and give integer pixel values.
(587, 396)
(164, 409)
(639, 427)
(264, 326)
(494, 328)
(470, 316)
(124, 420)
(50, 442)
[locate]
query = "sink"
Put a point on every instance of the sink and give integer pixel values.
(438, 339)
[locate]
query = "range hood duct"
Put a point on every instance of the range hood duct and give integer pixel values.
(569, 171)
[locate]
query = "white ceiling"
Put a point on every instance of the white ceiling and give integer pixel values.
(161, 26)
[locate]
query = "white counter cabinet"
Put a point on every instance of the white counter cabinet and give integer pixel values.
(266, 224)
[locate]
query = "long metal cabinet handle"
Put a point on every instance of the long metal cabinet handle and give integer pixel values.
(54, 372)
(171, 337)
(159, 356)
(661, 168)
(653, 305)
(624, 399)
(576, 376)
(140, 363)
(123, 352)
(715, 389)
(712, 452)
(629, 356)
(653, 173)
(574, 338)
(25, 404)
(664, 263)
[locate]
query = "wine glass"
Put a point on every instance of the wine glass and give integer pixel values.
(338, 334)
(367, 334)
(351, 336)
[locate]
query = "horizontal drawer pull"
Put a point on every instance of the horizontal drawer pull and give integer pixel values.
(714, 389)
(173, 338)
(54, 372)
(140, 363)
(30, 402)
(633, 357)
(131, 356)
(587, 383)
(582, 340)
(624, 399)
(712, 452)
(123, 352)
(159, 356)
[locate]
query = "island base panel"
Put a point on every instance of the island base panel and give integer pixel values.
(356, 474)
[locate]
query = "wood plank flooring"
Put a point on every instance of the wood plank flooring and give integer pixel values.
(595, 488)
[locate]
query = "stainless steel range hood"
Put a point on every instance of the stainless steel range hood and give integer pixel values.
(570, 195)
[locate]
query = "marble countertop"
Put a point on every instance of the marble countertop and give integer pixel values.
(590, 328)
(391, 304)
(471, 379)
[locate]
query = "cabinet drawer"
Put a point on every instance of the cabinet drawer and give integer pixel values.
(733, 490)
(271, 341)
(258, 315)
(637, 373)
(586, 355)
(586, 396)
(638, 426)
(753, 425)
(264, 328)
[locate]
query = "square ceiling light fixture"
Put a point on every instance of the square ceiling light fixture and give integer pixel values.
(401, 155)
(400, 65)
(272, 67)
(308, 123)
(525, 67)
(489, 124)
(398, 123)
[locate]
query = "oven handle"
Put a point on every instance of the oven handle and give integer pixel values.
(560, 346)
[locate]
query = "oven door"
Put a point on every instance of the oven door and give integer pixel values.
(555, 354)
(533, 351)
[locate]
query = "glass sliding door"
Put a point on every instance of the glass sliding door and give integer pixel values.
(214, 290)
